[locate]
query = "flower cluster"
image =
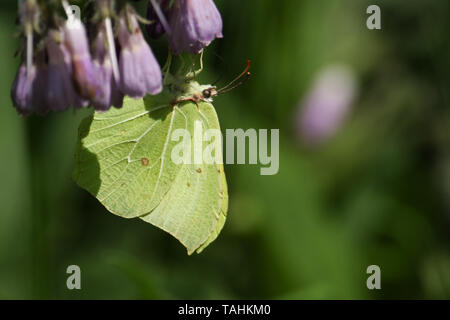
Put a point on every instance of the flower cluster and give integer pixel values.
(64, 65)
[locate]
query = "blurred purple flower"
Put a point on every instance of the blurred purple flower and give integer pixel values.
(29, 90)
(61, 91)
(194, 25)
(22, 90)
(140, 73)
(327, 105)
(111, 95)
(85, 73)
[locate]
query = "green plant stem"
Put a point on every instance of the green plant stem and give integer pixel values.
(38, 215)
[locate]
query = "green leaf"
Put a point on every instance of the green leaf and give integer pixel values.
(124, 160)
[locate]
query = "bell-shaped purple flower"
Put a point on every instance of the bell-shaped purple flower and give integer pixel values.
(29, 89)
(156, 28)
(22, 90)
(194, 25)
(140, 73)
(61, 92)
(84, 71)
(111, 95)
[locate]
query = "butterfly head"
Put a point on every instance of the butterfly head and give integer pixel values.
(187, 89)
(209, 93)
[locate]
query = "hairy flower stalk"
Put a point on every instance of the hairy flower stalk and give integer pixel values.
(29, 51)
(29, 17)
(139, 70)
(106, 11)
(112, 48)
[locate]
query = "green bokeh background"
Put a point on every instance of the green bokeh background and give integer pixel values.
(376, 193)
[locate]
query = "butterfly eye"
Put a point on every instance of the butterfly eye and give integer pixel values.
(207, 93)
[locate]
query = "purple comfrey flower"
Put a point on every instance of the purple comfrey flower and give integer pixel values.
(194, 24)
(111, 95)
(84, 71)
(29, 89)
(327, 105)
(61, 90)
(22, 90)
(140, 73)
(156, 29)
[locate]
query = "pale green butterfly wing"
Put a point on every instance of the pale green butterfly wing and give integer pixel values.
(194, 210)
(123, 157)
(223, 213)
(124, 160)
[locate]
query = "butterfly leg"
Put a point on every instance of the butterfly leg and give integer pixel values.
(193, 74)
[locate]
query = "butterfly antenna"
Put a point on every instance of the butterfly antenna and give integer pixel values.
(235, 86)
(230, 85)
